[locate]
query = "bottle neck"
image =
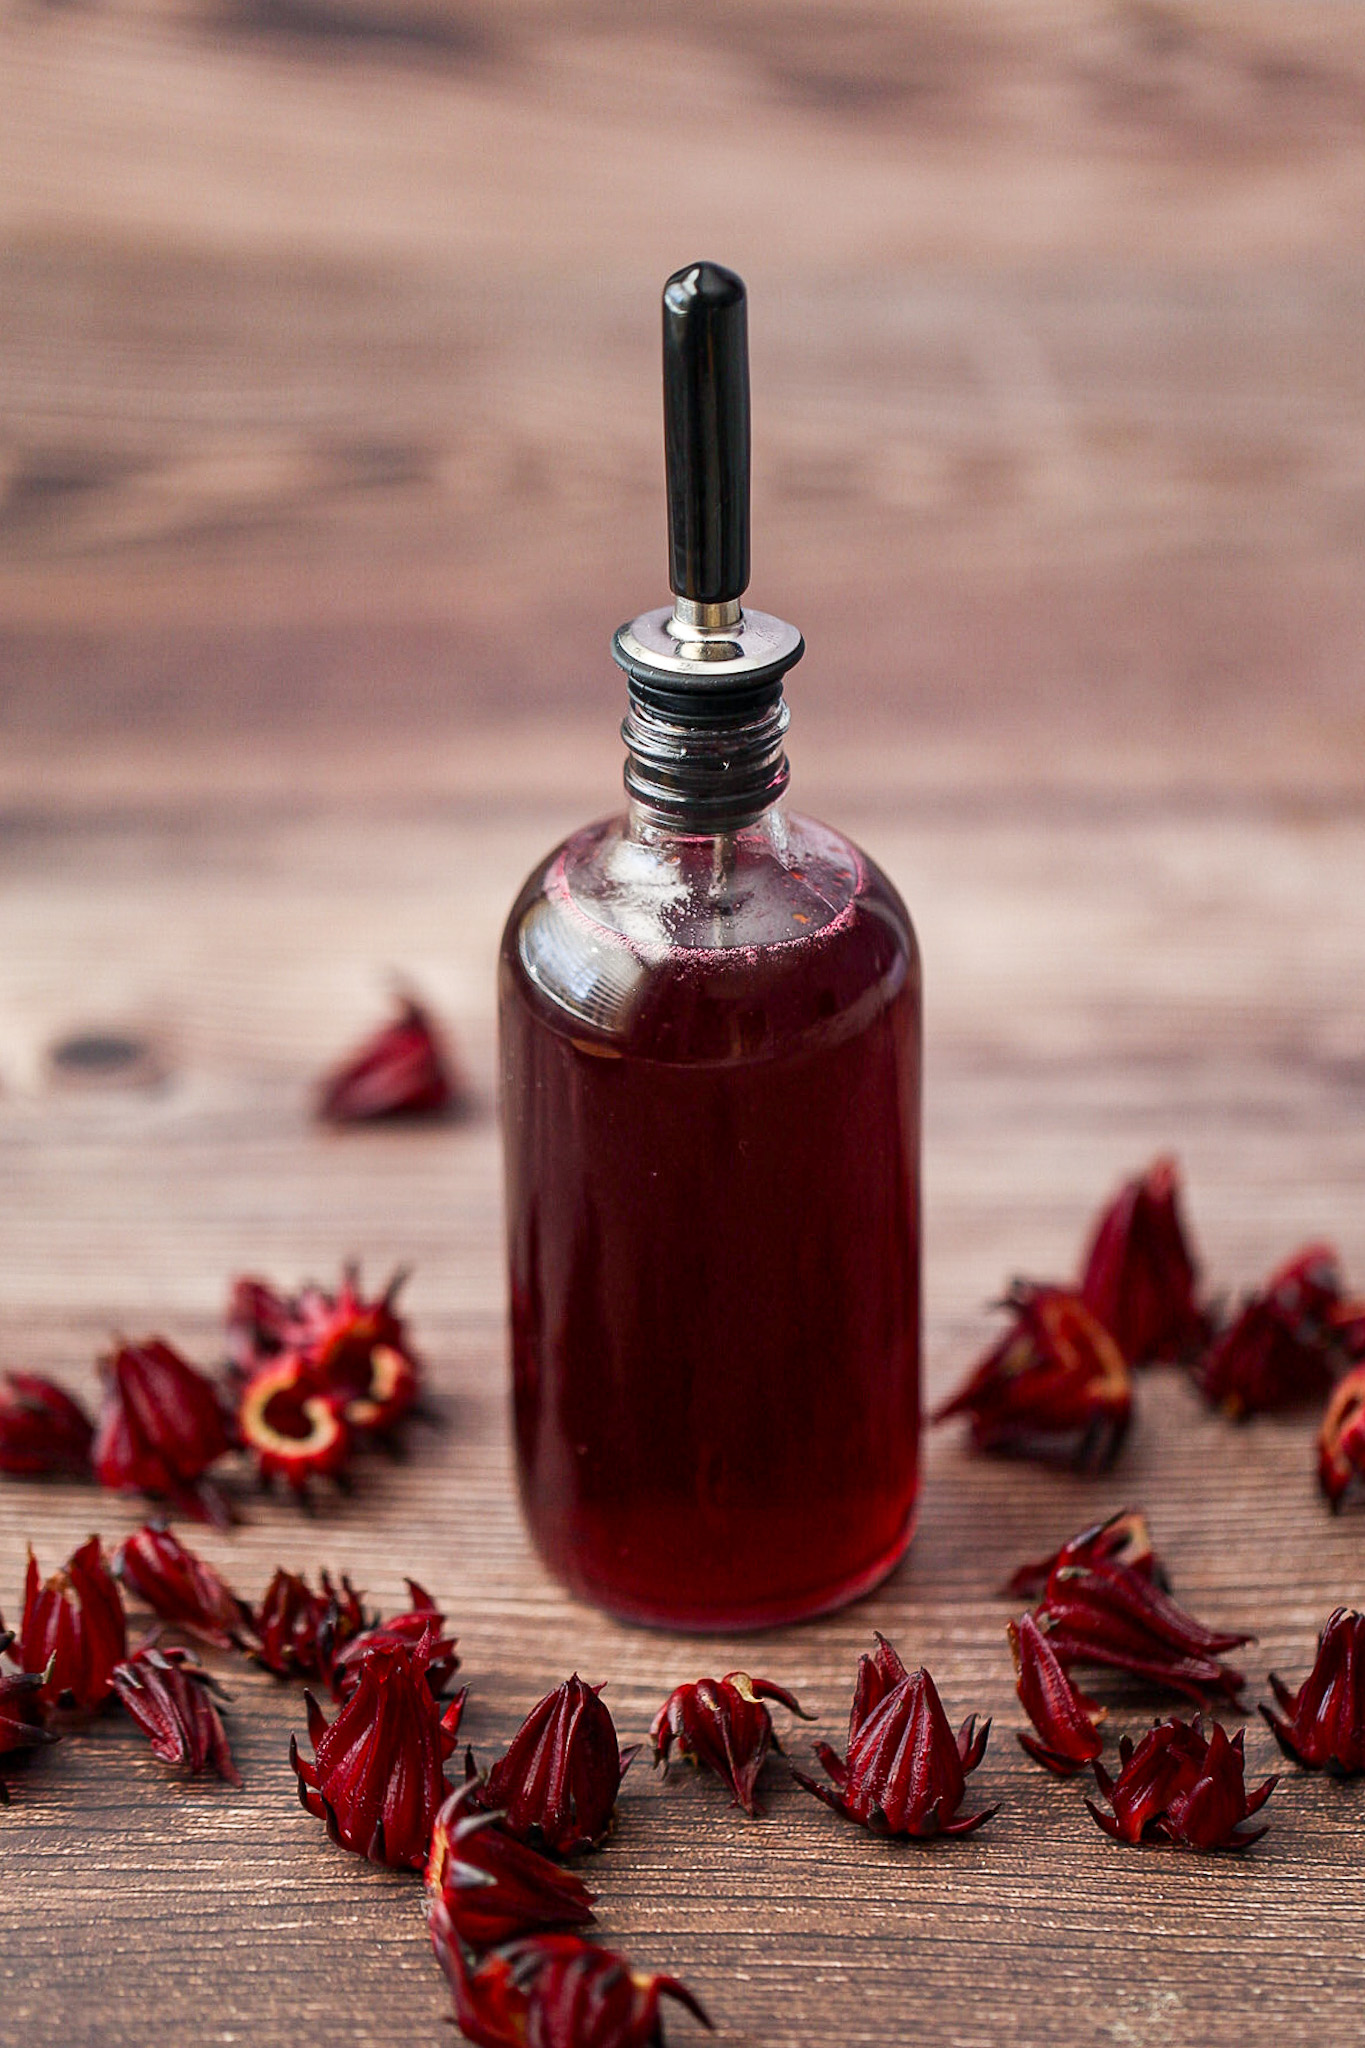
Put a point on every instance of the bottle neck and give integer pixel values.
(705, 768)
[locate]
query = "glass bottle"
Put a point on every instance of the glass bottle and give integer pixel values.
(710, 1045)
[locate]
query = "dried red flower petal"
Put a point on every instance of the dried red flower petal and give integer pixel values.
(377, 1776)
(42, 1428)
(1325, 1725)
(23, 1714)
(722, 1725)
(553, 1991)
(1139, 1276)
(1282, 1349)
(291, 1430)
(1123, 1539)
(496, 1888)
(556, 1785)
(1056, 1386)
(73, 1631)
(260, 1324)
(181, 1588)
(403, 1630)
(905, 1772)
(403, 1070)
(1348, 1330)
(170, 1696)
(1179, 1787)
(1068, 1735)
(160, 1429)
(1341, 1439)
(1111, 1615)
(299, 1633)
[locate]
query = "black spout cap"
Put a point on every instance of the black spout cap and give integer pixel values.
(706, 433)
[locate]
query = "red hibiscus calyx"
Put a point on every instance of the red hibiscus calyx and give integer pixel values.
(1055, 1387)
(293, 1432)
(905, 1771)
(181, 1588)
(404, 1070)
(556, 1785)
(73, 1631)
(422, 1623)
(495, 1888)
(377, 1774)
(320, 1372)
(1067, 1723)
(299, 1633)
(23, 1711)
(1322, 1725)
(1140, 1275)
(1341, 1439)
(1111, 1615)
(1123, 1538)
(722, 1725)
(1284, 1346)
(43, 1429)
(554, 1991)
(171, 1697)
(160, 1429)
(1178, 1786)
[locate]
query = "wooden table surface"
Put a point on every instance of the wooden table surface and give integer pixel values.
(328, 460)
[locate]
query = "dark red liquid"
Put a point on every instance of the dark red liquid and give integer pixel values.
(713, 1230)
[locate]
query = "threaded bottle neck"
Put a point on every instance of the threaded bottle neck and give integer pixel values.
(713, 767)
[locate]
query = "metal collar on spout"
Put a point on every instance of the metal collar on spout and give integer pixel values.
(705, 653)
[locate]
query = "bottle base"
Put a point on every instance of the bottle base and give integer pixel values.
(752, 1617)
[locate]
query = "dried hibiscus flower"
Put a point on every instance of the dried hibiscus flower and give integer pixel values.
(1341, 1440)
(1123, 1539)
(180, 1588)
(1056, 1386)
(170, 1696)
(377, 1776)
(1140, 1275)
(319, 1369)
(1112, 1615)
(23, 1713)
(722, 1725)
(73, 1632)
(495, 1888)
(298, 1632)
(1179, 1787)
(1324, 1724)
(42, 1429)
(401, 1630)
(1282, 1348)
(160, 1429)
(556, 1785)
(293, 1432)
(905, 1772)
(404, 1070)
(553, 1991)
(1068, 1735)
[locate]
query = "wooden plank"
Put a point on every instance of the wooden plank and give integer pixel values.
(1098, 990)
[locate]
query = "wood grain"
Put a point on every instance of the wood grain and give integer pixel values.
(328, 459)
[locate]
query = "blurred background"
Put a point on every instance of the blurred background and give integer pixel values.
(329, 368)
(331, 454)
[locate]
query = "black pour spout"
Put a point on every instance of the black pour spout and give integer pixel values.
(704, 657)
(706, 435)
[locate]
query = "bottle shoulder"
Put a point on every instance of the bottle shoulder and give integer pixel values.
(689, 946)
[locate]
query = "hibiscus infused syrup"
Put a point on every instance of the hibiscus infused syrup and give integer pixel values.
(710, 1031)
